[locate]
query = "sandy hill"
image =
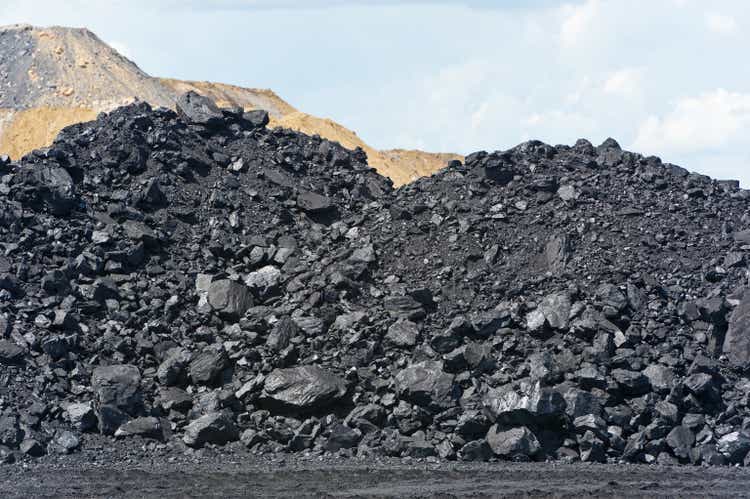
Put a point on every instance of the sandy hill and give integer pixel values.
(54, 77)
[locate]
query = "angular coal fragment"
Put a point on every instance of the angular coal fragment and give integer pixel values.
(195, 108)
(427, 385)
(117, 395)
(737, 340)
(230, 298)
(213, 428)
(306, 388)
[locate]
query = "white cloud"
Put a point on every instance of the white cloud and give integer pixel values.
(626, 82)
(547, 124)
(711, 120)
(577, 20)
(581, 91)
(721, 24)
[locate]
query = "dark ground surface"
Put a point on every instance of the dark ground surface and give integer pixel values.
(286, 479)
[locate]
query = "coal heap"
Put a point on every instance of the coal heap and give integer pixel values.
(198, 279)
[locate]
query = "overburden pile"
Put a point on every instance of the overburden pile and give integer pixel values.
(197, 279)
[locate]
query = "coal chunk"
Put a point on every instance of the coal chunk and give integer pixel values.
(306, 388)
(737, 339)
(515, 443)
(207, 367)
(10, 353)
(427, 384)
(117, 395)
(215, 428)
(230, 298)
(313, 203)
(257, 118)
(523, 400)
(195, 108)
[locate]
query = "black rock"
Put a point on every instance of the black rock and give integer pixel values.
(195, 108)
(10, 432)
(524, 400)
(737, 339)
(230, 298)
(427, 384)
(64, 442)
(734, 446)
(214, 428)
(81, 416)
(117, 395)
(681, 440)
(147, 427)
(631, 382)
(256, 118)
(313, 203)
(264, 282)
(32, 448)
(404, 307)
(342, 437)
(305, 388)
(207, 367)
(476, 450)
(514, 443)
(10, 353)
(402, 334)
(172, 371)
(282, 333)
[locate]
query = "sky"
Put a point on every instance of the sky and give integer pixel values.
(663, 77)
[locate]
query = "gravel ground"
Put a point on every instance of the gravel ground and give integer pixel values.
(342, 479)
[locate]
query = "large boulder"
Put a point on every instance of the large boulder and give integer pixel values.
(523, 400)
(117, 395)
(660, 377)
(737, 339)
(515, 443)
(148, 427)
(52, 187)
(282, 333)
(404, 307)
(10, 432)
(10, 353)
(200, 110)
(257, 118)
(305, 388)
(171, 371)
(264, 282)
(231, 299)
(632, 383)
(207, 367)
(81, 416)
(427, 384)
(402, 334)
(553, 312)
(213, 428)
(312, 202)
(734, 446)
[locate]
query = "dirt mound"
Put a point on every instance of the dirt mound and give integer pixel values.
(30, 129)
(401, 166)
(200, 279)
(54, 77)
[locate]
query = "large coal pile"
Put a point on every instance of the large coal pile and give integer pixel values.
(201, 280)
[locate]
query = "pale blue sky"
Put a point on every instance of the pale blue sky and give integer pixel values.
(664, 77)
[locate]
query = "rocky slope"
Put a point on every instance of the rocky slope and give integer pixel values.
(54, 77)
(191, 280)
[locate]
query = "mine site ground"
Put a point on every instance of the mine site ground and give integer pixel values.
(347, 478)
